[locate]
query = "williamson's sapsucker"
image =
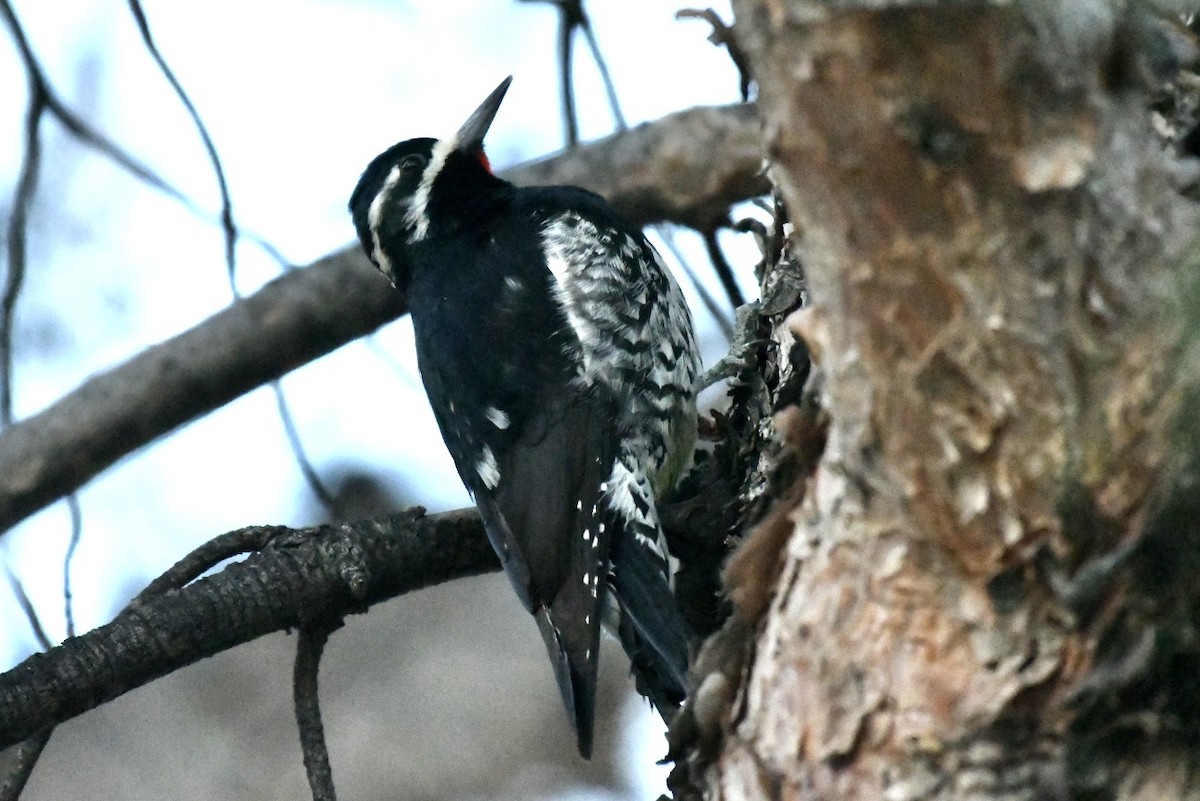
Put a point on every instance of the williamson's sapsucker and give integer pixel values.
(559, 358)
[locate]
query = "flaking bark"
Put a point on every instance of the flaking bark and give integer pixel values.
(984, 586)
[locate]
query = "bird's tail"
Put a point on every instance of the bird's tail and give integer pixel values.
(573, 653)
(651, 628)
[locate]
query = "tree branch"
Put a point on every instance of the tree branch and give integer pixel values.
(300, 578)
(687, 168)
(27, 759)
(309, 647)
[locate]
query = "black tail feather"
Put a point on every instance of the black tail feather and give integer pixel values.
(652, 630)
(575, 671)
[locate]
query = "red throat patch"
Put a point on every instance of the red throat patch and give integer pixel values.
(483, 159)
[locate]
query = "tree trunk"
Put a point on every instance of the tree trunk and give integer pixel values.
(985, 582)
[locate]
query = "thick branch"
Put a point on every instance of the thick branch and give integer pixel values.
(684, 168)
(304, 575)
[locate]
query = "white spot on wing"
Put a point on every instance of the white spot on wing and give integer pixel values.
(488, 470)
(498, 417)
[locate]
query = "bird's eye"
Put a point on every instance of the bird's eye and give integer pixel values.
(413, 162)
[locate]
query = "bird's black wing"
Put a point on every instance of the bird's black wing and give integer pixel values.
(530, 442)
(546, 513)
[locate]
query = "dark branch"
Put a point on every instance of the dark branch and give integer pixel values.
(610, 89)
(209, 555)
(719, 314)
(300, 578)
(18, 225)
(85, 133)
(68, 559)
(307, 469)
(31, 615)
(227, 225)
(723, 36)
(566, 37)
(309, 647)
(27, 759)
(722, 268)
(687, 168)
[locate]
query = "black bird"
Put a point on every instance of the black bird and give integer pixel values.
(559, 358)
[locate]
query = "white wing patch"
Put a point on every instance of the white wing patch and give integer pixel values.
(488, 470)
(497, 417)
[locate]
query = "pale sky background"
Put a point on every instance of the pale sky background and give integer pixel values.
(298, 97)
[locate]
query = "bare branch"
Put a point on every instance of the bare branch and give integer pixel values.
(307, 469)
(720, 315)
(17, 229)
(723, 36)
(227, 225)
(309, 647)
(209, 555)
(687, 168)
(27, 758)
(301, 577)
(722, 267)
(76, 512)
(35, 622)
(610, 89)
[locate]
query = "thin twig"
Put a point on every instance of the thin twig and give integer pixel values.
(76, 532)
(17, 228)
(35, 623)
(76, 126)
(722, 35)
(230, 231)
(227, 225)
(722, 268)
(31, 749)
(566, 38)
(570, 16)
(302, 461)
(28, 753)
(309, 646)
(609, 88)
(710, 303)
(84, 132)
(207, 556)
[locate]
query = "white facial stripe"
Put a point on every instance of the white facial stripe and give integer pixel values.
(418, 215)
(375, 217)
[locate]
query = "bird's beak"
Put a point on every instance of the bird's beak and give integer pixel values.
(470, 135)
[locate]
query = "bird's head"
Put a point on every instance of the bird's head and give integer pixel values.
(421, 188)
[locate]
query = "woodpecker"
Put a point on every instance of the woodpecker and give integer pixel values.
(559, 360)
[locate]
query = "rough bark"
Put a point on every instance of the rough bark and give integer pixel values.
(684, 168)
(984, 584)
(298, 577)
